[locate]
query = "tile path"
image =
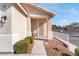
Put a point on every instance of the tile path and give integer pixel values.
(38, 48)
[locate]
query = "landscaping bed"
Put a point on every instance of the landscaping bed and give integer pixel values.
(56, 48)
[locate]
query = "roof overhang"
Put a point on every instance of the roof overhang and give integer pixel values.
(22, 6)
(43, 10)
(50, 14)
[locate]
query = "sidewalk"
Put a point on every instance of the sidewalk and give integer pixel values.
(38, 48)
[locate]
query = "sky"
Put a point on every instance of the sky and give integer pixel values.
(66, 13)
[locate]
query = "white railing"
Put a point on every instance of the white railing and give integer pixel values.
(62, 36)
(65, 39)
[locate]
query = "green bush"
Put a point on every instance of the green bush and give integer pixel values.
(77, 51)
(29, 37)
(21, 46)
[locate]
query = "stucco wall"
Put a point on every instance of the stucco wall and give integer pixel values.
(19, 24)
(5, 31)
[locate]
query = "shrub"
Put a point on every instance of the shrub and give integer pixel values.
(30, 38)
(21, 46)
(77, 51)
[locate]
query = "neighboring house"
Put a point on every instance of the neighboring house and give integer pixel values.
(18, 21)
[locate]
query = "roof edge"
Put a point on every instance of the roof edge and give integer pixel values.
(35, 6)
(42, 9)
(21, 7)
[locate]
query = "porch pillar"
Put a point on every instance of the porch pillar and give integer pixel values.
(29, 33)
(38, 28)
(47, 28)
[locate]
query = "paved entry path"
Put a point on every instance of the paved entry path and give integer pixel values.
(38, 48)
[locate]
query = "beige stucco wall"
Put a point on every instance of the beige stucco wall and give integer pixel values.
(6, 29)
(19, 24)
(16, 27)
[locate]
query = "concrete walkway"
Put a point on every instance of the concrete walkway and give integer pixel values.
(38, 48)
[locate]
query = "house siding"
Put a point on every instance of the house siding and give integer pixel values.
(5, 31)
(19, 24)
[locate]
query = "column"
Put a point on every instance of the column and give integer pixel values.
(46, 28)
(37, 28)
(29, 32)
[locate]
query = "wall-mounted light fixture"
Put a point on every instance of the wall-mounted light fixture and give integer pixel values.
(2, 20)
